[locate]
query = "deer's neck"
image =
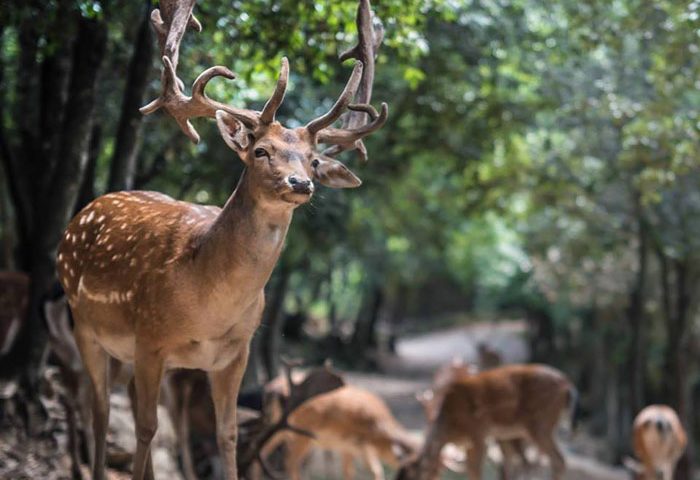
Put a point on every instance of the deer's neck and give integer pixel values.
(243, 245)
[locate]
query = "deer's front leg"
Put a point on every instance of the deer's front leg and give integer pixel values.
(225, 385)
(148, 373)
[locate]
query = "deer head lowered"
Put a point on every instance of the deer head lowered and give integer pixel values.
(162, 283)
(504, 403)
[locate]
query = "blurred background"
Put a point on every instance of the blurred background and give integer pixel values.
(536, 188)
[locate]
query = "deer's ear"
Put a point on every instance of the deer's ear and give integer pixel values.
(234, 133)
(332, 173)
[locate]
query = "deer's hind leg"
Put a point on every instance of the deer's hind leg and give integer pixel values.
(96, 361)
(547, 445)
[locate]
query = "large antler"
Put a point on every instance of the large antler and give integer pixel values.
(254, 434)
(355, 125)
(170, 23)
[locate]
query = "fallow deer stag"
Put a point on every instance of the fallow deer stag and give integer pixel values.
(659, 442)
(164, 284)
(513, 401)
(349, 420)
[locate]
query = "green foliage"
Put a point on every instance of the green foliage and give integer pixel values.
(526, 144)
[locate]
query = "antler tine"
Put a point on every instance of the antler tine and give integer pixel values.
(369, 38)
(340, 105)
(354, 125)
(348, 139)
(182, 107)
(267, 115)
(170, 23)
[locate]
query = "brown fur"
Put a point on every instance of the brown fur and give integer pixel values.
(506, 402)
(659, 441)
(166, 284)
(432, 398)
(351, 421)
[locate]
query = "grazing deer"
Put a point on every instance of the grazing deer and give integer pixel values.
(659, 442)
(166, 284)
(14, 300)
(431, 400)
(351, 421)
(508, 402)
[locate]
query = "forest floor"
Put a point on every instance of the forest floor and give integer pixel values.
(411, 369)
(400, 377)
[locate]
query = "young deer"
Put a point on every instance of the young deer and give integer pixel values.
(508, 402)
(659, 442)
(349, 420)
(167, 284)
(431, 399)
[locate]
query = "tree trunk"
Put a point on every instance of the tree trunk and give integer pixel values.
(5, 229)
(676, 300)
(126, 144)
(635, 318)
(87, 194)
(364, 336)
(55, 77)
(271, 328)
(54, 206)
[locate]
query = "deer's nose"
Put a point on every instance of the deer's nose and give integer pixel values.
(300, 185)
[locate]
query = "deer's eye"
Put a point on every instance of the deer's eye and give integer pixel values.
(314, 163)
(261, 152)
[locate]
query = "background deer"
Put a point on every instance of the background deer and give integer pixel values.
(659, 441)
(431, 399)
(508, 402)
(350, 420)
(166, 284)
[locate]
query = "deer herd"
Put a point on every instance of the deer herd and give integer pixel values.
(165, 285)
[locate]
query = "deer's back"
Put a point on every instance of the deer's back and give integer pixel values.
(119, 238)
(348, 418)
(506, 401)
(119, 259)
